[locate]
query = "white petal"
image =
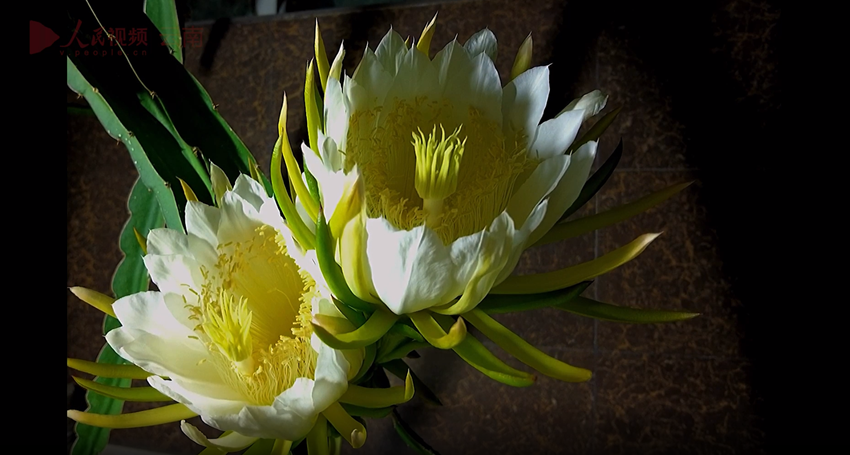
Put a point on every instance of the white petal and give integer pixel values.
(591, 103)
(149, 312)
(203, 220)
(251, 191)
(521, 240)
(331, 378)
(390, 51)
(174, 273)
(290, 417)
(554, 136)
(469, 82)
(483, 41)
(198, 403)
(523, 102)
(167, 241)
(541, 182)
(182, 359)
(336, 121)
(416, 77)
(373, 81)
(568, 189)
(239, 219)
(411, 270)
(493, 254)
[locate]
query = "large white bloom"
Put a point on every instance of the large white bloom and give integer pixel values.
(229, 327)
(459, 174)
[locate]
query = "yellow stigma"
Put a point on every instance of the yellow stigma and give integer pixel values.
(437, 168)
(228, 325)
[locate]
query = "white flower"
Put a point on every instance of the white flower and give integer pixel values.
(459, 174)
(229, 327)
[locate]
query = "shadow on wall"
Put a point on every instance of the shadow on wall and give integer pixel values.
(717, 63)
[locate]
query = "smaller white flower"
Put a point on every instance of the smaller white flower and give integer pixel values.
(230, 325)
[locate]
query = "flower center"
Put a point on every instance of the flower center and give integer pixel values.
(254, 313)
(454, 186)
(437, 166)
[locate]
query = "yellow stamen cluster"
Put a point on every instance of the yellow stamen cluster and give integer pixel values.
(412, 189)
(437, 168)
(254, 315)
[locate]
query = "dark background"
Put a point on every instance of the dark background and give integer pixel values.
(700, 87)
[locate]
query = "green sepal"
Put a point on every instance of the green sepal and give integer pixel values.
(368, 359)
(400, 369)
(479, 357)
(332, 271)
(370, 332)
(509, 303)
(413, 440)
(372, 413)
(595, 182)
(573, 228)
(590, 308)
(596, 130)
(524, 351)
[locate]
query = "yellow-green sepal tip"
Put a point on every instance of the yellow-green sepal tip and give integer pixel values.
(100, 301)
(147, 418)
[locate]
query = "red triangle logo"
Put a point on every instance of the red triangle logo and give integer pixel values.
(41, 37)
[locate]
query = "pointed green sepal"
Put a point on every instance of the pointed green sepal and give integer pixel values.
(509, 303)
(574, 228)
(187, 191)
(143, 242)
(317, 438)
(141, 394)
(434, 334)
(479, 357)
(311, 106)
(559, 279)
(292, 169)
(525, 352)
(424, 44)
(281, 447)
(321, 57)
(596, 130)
(403, 350)
(406, 330)
(523, 58)
(413, 440)
(400, 369)
(351, 430)
(595, 182)
(150, 417)
(108, 370)
(372, 413)
(332, 271)
(379, 398)
(368, 359)
(100, 301)
(299, 230)
(590, 308)
(373, 329)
